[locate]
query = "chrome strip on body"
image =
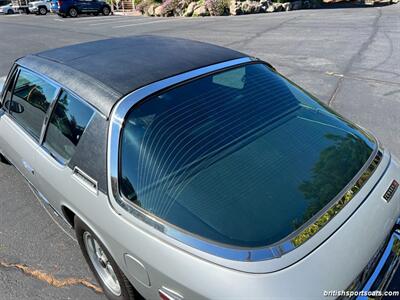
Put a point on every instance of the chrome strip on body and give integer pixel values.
(276, 250)
(389, 264)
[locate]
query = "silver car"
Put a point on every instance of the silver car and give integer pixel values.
(192, 171)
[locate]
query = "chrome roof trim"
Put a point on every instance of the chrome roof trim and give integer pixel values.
(291, 242)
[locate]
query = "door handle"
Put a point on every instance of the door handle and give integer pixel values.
(28, 167)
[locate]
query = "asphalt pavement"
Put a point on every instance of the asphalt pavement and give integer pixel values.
(347, 57)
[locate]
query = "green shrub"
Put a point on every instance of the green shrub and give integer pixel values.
(217, 7)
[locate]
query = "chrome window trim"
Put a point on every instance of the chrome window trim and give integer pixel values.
(48, 115)
(13, 72)
(276, 250)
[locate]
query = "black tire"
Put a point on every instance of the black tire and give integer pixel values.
(128, 292)
(10, 12)
(106, 10)
(72, 12)
(42, 11)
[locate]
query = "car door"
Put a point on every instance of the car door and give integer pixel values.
(91, 6)
(97, 5)
(26, 104)
(81, 5)
(66, 125)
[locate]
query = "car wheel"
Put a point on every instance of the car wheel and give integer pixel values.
(73, 13)
(106, 11)
(42, 11)
(10, 12)
(114, 283)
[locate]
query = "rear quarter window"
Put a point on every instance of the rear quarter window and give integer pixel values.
(68, 121)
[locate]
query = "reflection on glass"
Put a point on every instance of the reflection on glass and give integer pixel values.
(242, 157)
(312, 229)
(32, 96)
(336, 166)
(67, 123)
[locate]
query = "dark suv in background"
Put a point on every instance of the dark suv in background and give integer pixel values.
(73, 8)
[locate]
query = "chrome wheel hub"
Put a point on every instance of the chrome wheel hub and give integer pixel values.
(102, 264)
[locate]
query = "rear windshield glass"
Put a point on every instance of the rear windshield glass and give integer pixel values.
(241, 157)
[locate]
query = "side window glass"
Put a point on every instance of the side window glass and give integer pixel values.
(30, 101)
(67, 123)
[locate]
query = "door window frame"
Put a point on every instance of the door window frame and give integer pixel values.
(53, 100)
(12, 79)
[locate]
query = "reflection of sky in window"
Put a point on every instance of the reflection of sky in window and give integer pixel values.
(45, 88)
(74, 108)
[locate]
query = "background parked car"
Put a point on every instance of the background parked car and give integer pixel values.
(54, 6)
(73, 8)
(40, 7)
(21, 5)
(6, 8)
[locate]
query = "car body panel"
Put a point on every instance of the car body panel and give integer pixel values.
(351, 246)
(7, 9)
(14, 137)
(54, 6)
(329, 260)
(82, 6)
(35, 5)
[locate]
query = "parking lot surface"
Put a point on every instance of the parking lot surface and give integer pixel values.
(347, 57)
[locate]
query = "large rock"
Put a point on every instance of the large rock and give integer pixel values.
(151, 10)
(278, 6)
(190, 9)
(158, 11)
(201, 11)
(250, 7)
(270, 8)
(235, 8)
(287, 6)
(266, 3)
(297, 4)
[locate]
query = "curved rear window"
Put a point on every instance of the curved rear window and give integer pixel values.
(241, 157)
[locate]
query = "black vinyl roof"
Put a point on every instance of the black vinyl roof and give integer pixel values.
(103, 71)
